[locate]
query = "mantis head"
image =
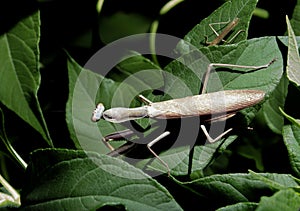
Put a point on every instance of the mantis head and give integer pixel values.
(97, 113)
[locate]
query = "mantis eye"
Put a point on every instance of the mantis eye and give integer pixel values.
(97, 113)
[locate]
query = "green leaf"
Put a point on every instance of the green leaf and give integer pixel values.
(187, 71)
(255, 52)
(295, 21)
(287, 200)
(139, 72)
(235, 188)
(293, 60)
(226, 189)
(243, 206)
(276, 181)
(285, 40)
(87, 88)
(19, 72)
(143, 75)
(243, 9)
(270, 109)
(65, 179)
(291, 119)
(291, 138)
(178, 158)
(83, 88)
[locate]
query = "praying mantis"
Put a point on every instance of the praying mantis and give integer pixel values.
(198, 105)
(190, 106)
(223, 34)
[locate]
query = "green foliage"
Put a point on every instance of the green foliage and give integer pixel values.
(20, 73)
(283, 200)
(293, 62)
(291, 138)
(93, 182)
(255, 169)
(296, 19)
(226, 13)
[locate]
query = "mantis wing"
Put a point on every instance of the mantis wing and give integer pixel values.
(221, 102)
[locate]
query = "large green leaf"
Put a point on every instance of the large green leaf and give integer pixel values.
(139, 72)
(83, 88)
(19, 73)
(235, 188)
(87, 88)
(73, 180)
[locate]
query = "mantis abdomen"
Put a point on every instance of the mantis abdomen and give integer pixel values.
(206, 104)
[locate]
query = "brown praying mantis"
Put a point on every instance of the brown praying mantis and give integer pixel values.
(220, 37)
(190, 106)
